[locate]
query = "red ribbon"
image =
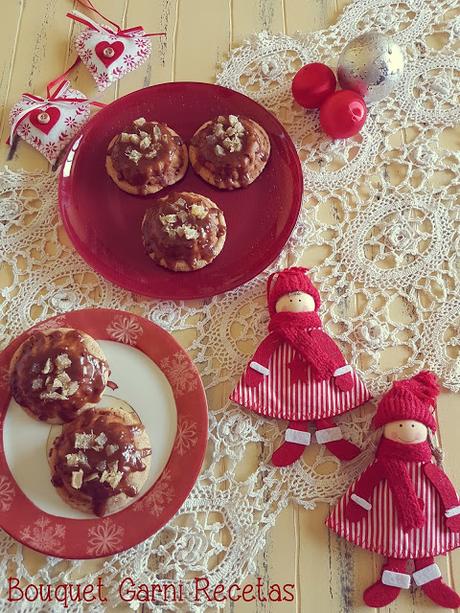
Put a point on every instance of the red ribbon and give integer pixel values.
(128, 32)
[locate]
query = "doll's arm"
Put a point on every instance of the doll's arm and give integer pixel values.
(340, 370)
(257, 368)
(358, 505)
(447, 494)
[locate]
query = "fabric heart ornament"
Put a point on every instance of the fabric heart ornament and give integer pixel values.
(48, 124)
(110, 54)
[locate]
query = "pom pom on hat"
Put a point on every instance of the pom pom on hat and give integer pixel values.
(294, 279)
(413, 398)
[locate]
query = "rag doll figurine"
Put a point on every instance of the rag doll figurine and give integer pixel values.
(298, 373)
(403, 506)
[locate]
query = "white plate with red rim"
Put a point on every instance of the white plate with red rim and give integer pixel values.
(158, 381)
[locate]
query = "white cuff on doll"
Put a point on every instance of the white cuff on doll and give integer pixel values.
(342, 370)
(427, 574)
(297, 436)
(401, 580)
(452, 511)
(365, 504)
(328, 435)
(256, 366)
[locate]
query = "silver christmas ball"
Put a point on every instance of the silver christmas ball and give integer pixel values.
(371, 64)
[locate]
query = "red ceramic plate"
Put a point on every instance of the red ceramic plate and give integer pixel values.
(104, 222)
(157, 380)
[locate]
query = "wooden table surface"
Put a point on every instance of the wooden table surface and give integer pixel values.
(35, 47)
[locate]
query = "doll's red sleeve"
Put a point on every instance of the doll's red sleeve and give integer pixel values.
(329, 349)
(369, 480)
(359, 504)
(266, 349)
(443, 486)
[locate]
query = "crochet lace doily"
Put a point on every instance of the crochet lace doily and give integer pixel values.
(378, 228)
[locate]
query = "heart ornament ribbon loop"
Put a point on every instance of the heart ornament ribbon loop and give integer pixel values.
(48, 124)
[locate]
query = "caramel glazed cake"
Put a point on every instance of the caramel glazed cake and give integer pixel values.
(146, 158)
(101, 460)
(58, 372)
(183, 231)
(229, 152)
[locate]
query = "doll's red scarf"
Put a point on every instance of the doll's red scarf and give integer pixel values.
(392, 457)
(296, 329)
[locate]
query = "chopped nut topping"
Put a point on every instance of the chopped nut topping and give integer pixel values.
(84, 440)
(143, 134)
(52, 396)
(74, 459)
(134, 139)
(72, 388)
(131, 455)
(170, 231)
(124, 137)
(99, 442)
(182, 216)
(219, 150)
(219, 130)
(112, 476)
(189, 232)
(47, 367)
(221, 119)
(198, 210)
(139, 122)
(151, 154)
(134, 156)
(61, 381)
(110, 449)
(63, 361)
(37, 384)
(145, 143)
(165, 219)
(233, 119)
(157, 133)
(77, 479)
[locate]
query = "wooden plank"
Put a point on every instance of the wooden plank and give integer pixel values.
(313, 15)
(203, 39)
(256, 16)
(160, 17)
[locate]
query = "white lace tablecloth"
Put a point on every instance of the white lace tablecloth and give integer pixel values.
(379, 215)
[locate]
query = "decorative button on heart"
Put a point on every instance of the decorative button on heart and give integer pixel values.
(45, 120)
(109, 52)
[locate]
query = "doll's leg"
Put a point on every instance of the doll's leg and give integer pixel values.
(428, 576)
(329, 434)
(296, 438)
(392, 580)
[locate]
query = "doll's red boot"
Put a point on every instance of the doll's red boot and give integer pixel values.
(296, 438)
(388, 587)
(428, 576)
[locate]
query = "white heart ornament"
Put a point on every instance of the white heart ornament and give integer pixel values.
(109, 56)
(48, 124)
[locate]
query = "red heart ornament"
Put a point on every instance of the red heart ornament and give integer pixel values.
(109, 52)
(45, 119)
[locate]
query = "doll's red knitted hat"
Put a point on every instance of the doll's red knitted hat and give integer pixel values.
(294, 279)
(413, 398)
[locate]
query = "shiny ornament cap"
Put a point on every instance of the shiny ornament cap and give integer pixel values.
(294, 279)
(413, 398)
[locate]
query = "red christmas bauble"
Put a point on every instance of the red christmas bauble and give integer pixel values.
(312, 84)
(343, 114)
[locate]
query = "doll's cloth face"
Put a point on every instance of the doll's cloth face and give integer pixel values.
(295, 302)
(406, 431)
